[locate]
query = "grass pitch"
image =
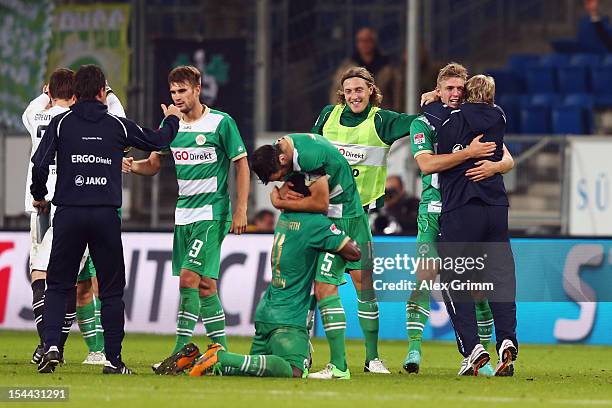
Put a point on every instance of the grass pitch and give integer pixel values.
(558, 375)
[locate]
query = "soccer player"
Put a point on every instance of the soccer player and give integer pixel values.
(477, 213)
(424, 141)
(333, 192)
(207, 142)
(364, 133)
(280, 347)
(57, 97)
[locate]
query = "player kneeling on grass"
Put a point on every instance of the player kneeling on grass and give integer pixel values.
(280, 347)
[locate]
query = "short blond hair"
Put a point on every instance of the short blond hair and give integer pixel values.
(360, 72)
(452, 70)
(480, 89)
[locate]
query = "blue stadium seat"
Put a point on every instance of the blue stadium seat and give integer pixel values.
(511, 104)
(541, 80)
(554, 60)
(585, 60)
(584, 100)
(573, 79)
(507, 81)
(518, 62)
(570, 119)
(607, 60)
(535, 119)
(544, 99)
(602, 85)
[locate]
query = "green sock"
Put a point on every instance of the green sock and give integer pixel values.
(213, 317)
(334, 323)
(99, 328)
(417, 314)
(86, 319)
(187, 316)
(367, 311)
(484, 317)
(255, 365)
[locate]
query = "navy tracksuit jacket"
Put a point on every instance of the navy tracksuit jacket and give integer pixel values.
(474, 222)
(89, 143)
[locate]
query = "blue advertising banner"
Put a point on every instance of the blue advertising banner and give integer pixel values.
(563, 291)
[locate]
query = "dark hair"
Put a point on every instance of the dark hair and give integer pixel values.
(299, 184)
(265, 161)
(185, 74)
(61, 83)
(88, 81)
(261, 214)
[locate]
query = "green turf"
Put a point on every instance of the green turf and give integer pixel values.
(560, 375)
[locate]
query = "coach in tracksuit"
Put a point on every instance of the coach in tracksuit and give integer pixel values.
(89, 144)
(474, 222)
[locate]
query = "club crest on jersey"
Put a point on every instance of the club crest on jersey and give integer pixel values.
(200, 139)
(335, 230)
(457, 147)
(419, 138)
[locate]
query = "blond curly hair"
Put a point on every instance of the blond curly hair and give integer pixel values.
(480, 89)
(360, 72)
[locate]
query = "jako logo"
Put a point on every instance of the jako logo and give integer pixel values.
(90, 181)
(457, 147)
(96, 181)
(352, 155)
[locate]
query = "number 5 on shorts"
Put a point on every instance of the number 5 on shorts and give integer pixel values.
(195, 248)
(327, 262)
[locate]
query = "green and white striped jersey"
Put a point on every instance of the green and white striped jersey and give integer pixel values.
(202, 152)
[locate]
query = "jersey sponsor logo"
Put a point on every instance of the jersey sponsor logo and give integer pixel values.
(90, 159)
(352, 155)
(457, 147)
(194, 155)
(80, 180)
(419, 138)
(335, 229)
(200, 139)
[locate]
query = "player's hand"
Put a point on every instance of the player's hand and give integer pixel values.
(239, 222)
(483, 169)
(286, 193)
(275, 198)
(429, 97)
(478, 149)
(42, 206)
(171, 110)
(126, 164)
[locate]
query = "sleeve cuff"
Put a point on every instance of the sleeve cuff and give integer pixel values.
(345, 241)
(420, 152)
(240, 156)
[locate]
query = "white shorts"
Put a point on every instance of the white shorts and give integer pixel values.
(40, 252)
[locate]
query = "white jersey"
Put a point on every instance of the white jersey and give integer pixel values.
(36, 118)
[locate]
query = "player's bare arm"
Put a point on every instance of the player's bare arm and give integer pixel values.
(317, 202)
(485, 168)
(243, 180)
(350, 251)
(146, 167)
(430, 163)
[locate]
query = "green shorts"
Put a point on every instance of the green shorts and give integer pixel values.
(331, 267)
(427, 236)
(197, 247)
(287, 342)
(88, 271)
